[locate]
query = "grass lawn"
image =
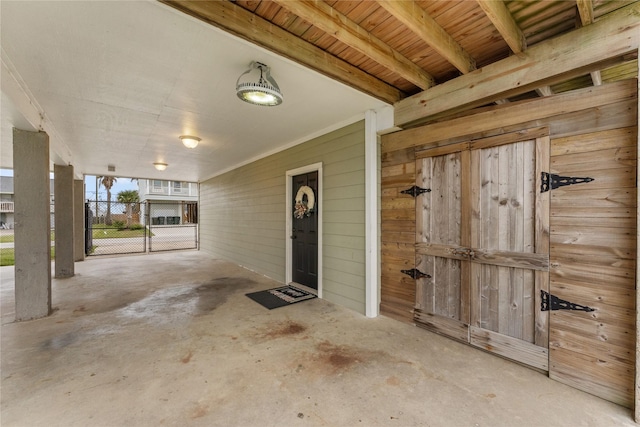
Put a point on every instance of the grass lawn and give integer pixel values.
(111, 233)
(9, 238)
(7, 256)
(98, 233)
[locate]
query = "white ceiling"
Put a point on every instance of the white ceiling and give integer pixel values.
(117, 82)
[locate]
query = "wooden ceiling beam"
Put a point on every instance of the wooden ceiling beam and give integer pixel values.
(578, 52)
(418, 21)
(499, 15)
(585, 10)
(499, 117)
(334, 23)
(244, 24)
(544, 91)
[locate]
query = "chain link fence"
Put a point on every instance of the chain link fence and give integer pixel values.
(172, 225)
(128, 228)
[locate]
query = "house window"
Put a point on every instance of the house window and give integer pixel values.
(177, 187)
(156, 186)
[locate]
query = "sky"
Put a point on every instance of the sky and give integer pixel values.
(90, 186)
(120, 185)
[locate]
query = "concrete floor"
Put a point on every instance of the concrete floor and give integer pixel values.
(170, 339)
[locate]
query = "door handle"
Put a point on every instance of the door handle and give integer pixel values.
(293, 236)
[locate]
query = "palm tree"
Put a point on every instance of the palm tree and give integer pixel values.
(107, 182)
(129, 197)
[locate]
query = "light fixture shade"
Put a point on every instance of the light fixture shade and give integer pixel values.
(190, 141)
(261, 91)
(160, 166)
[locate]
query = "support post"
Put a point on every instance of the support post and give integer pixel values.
(372, 258)
(64, 206)
(78, 220)
(637, 385)
(33, 224)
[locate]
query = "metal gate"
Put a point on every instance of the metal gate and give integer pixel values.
(128, 228)
(172, 225)
(114, 228)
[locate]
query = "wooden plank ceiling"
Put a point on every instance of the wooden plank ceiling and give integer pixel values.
(392, 49)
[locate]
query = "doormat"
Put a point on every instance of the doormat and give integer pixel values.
(279, 297)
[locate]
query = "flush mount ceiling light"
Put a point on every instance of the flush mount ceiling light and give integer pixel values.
(261, 91)
(160, 166)
(190, 141)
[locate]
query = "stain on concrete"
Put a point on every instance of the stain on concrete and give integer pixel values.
(329, 359)
(213, 294)
(393, 381)
(338, 358)
(199, 298)
(187, 357)
(275, 330)
(59, 342)
(114, 300)
(183, 301)
(199, 411)
(285, 329)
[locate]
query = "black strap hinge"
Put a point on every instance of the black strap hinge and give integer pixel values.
(415, 191)
(551, 181)
(552, 302)
(415, 274)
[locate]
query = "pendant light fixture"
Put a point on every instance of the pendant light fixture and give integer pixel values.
(262, 89)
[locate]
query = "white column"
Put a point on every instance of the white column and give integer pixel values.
(372, 215)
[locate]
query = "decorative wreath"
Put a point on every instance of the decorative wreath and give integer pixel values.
(304, 208)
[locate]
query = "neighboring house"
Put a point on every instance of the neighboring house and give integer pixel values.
(170, 202)
(6, 202)
(7, 199)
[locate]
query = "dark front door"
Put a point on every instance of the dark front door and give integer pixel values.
(304, 233)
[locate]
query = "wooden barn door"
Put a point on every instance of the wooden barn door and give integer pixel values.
(482, 237)
(510, 249)
(442, 296)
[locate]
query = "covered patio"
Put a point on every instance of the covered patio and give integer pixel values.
(171, 339)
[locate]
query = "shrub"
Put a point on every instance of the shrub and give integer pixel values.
(120, 225)
(136, 226)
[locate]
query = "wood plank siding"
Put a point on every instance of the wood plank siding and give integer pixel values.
(243, 213)
(585, 230)
(591, 240)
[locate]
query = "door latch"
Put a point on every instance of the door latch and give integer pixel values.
(464, 252)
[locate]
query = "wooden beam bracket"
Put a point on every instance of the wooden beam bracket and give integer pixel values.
(416, 274)
(415, 191)
(552, 302)
(552, 181)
